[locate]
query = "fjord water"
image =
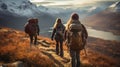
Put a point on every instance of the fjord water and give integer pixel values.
(98, 34)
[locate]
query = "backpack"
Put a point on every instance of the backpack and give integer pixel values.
(60, 30)
(75, 36)
(75, 27)
(30, 28)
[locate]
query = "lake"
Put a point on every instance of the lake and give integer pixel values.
(94, 33)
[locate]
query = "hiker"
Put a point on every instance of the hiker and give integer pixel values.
(75, 36)
(57, 34)
(32, 29)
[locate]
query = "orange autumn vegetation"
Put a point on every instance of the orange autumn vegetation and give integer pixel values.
(14, 47)
(103, 53)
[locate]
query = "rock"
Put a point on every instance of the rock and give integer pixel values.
(15, 64)
(43, 43)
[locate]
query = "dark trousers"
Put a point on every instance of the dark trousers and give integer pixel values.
(59, 45)
(33, 37)
(75, 58)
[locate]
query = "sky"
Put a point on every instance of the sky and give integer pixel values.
(71, 0)
(65, 2)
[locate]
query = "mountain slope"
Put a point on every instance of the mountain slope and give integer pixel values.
(115, 6)
(14, 46)
(107, 20)
(15, 13)
(21, 7)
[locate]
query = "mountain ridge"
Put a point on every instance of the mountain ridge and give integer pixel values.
(107, 20)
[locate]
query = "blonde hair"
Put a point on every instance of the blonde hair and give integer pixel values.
(57, 22)
(70, 21)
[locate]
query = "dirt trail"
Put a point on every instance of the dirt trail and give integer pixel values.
(47, 48)
(49, 51)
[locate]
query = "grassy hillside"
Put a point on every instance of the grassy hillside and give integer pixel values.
(14, 46)
(105, 20)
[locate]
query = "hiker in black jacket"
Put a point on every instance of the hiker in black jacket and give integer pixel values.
(57, 34)
(32, 29)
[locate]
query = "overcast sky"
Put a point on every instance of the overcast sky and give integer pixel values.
(70, 0)
(66, 2)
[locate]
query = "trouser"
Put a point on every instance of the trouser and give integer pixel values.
(59, 45)
(33, 37)
(75, 58)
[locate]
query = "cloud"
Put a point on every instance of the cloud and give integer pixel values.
(67, 2)
(93, 8)
(37, 0)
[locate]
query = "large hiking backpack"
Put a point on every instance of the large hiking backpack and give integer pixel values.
(75, 27)
(75, 36)
(30, 28)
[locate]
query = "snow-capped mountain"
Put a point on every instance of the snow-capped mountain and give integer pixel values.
(15, 13)
(18, 7)
(115, 7)
(84, 11)
(107, 20)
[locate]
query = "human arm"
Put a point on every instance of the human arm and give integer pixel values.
(38, 29)
(85, 31)
(53, 33)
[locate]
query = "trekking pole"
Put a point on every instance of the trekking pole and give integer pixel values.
(66, 43)
(85, 51)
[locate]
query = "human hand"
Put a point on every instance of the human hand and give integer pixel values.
(37, 33)
(51, 38)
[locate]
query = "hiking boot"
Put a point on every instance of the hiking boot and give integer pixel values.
(61, 55)
(57, 53)
(31, 44)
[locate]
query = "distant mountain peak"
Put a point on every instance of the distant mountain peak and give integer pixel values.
(18, 7)
(115, 7)
(116, 4)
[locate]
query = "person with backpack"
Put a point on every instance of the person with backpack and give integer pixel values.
(32, 29)
(57, 34)
(75, 35)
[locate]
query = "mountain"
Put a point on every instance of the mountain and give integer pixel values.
(21, 8)
(107, 20)
(15, 13)
(64, 11)
(115, 7)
